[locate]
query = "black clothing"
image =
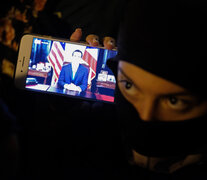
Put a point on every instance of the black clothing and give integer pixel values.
(168, 39)
(8, 154)
(86, 143)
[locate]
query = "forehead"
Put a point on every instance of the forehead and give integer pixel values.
(148, 81)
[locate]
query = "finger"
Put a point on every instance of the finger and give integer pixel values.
(109, 43)
(76, 36)
(92, 40)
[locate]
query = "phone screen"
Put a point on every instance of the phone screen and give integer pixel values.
(71, 69)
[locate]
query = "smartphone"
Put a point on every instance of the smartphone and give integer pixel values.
(58, 66)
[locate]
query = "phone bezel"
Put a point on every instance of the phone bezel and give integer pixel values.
(23, 63)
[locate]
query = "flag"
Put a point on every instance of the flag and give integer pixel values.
(56, 58)
(90, 56)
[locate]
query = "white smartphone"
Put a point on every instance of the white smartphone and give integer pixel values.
(58, 66)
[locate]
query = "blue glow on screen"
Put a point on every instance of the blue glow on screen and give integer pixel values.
(49, 58)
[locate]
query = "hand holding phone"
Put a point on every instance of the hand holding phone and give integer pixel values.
(65, 68)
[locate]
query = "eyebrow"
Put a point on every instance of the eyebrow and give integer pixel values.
(182, 93)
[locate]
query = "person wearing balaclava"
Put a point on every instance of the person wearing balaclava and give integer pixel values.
(161, 94)
(161, 91)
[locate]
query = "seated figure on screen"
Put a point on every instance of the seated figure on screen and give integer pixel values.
(74, 76)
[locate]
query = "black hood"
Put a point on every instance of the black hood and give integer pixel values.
(167, 38)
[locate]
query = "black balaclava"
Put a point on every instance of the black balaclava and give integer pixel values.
(168, 39)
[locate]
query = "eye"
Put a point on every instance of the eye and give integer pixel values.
(177, 103)
(173, 100)
(128, 85)
(128, 89)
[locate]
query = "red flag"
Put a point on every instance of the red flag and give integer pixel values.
(90, 56)
(56, 58)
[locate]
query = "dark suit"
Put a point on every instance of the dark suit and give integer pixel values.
(80, 79)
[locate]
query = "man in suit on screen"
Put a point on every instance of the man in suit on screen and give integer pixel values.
(74, 76)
